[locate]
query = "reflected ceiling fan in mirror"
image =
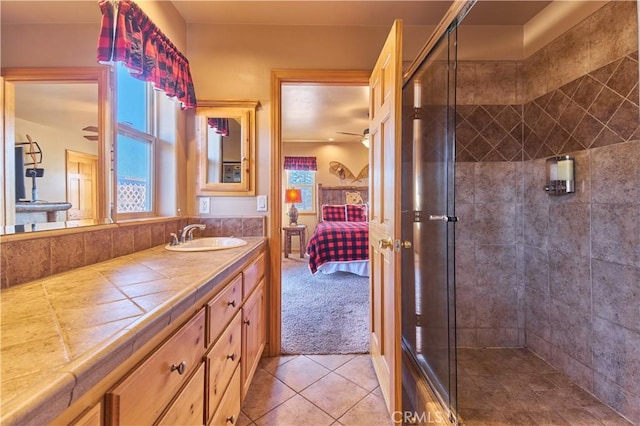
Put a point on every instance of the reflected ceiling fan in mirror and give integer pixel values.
(364, 136)
(92, 129)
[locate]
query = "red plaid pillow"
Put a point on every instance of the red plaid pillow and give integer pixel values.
(356, 212)
(334, 213)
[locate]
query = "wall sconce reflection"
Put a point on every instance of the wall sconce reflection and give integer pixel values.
(560, 175)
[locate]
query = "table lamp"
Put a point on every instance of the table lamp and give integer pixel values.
(293, 196)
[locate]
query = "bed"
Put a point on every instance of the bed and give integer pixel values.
(340, 241)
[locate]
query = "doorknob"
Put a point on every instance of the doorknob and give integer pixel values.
(386, 243)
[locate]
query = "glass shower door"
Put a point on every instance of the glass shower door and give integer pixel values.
(428, 288)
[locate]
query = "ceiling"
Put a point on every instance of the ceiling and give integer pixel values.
(270, 12)
(310, 113)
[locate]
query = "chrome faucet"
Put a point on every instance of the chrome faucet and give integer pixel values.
(187, 232)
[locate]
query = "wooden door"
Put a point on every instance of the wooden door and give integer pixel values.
(253, 335)
(81, 185)
(385, 86)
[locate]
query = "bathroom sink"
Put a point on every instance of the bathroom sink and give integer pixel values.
(209, 243)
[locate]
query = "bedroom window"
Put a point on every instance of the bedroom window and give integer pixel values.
(305, 181)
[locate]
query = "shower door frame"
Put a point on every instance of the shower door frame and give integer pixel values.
(413, 373)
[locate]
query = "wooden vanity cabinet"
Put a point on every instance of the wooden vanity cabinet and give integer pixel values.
(202, 371)
(229, 376)
(144, 393)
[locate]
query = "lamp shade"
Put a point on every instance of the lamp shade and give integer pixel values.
(293, 195)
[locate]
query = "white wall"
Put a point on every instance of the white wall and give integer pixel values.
(236, 61)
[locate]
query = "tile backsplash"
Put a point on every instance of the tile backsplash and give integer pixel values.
(30, 257)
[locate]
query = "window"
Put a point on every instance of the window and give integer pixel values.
(135, 147)
(305, 181)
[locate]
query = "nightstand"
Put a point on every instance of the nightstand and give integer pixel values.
(289, 231)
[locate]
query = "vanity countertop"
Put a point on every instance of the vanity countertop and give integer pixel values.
(62, 334)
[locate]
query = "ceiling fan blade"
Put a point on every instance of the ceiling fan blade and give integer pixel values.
(91, 137)
(351, 134)
(91, 129)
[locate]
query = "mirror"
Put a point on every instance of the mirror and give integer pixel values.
(225, 133)
(55, 166)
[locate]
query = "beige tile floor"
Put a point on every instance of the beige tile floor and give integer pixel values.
(515, 387)
(505, 387)
(315, 390)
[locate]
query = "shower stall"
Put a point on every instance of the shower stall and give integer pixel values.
(511, 298)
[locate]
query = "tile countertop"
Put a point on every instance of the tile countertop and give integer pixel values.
(62, 334)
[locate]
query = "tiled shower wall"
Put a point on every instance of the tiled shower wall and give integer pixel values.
(560, 275)
(29, 257)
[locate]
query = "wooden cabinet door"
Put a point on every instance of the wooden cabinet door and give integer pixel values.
(81, 185)
(253, 335)
(385, 95)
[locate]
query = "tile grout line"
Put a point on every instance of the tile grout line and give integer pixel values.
(299, 393)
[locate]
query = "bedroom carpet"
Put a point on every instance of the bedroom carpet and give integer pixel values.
(323, 314)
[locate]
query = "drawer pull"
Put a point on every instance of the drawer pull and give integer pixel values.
(180, 367)
(232, 357)
(232, 303)
(231, 420)
(247, 322)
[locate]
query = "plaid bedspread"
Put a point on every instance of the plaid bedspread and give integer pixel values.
(338, 242)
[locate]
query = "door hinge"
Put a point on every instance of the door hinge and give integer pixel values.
(417, 113)
(417, 216)
(418, 320)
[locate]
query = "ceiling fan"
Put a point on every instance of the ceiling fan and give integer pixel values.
(364, 136)
(93, 129)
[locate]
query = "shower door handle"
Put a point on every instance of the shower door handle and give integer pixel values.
(443, 217)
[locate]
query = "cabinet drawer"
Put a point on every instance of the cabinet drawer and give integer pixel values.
(223, 360)
(253, 273)
(146, 391)
(222, 308)
(188, 408)
(229, 409)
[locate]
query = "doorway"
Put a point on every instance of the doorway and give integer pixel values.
(277, 221)
(82, 184)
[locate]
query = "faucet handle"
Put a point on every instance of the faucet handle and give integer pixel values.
(174, 239)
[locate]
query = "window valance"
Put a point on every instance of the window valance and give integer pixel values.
(129, 36)
(220, 125)
(300, 163)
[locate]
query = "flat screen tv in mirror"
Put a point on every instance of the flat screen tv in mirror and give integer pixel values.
(21, 191)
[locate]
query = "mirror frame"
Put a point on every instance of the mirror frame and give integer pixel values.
(227, 109)
(11, 76)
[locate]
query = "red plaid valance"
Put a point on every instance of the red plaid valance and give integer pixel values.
(129, 36)
(300, 163)
(221, 125)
